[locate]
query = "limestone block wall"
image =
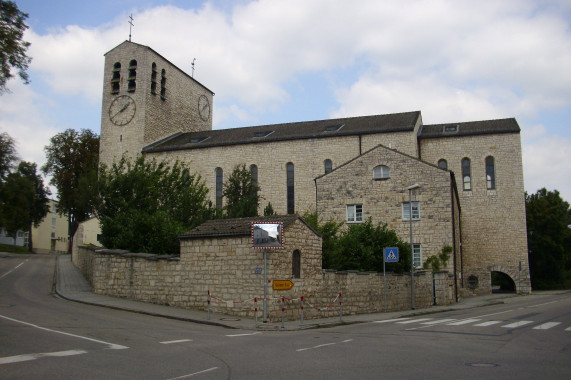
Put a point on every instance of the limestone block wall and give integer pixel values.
(382, 200)
(493, 221)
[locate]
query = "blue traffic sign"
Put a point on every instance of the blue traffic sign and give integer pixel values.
(391, 255)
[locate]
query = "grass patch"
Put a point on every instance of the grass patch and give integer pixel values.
(13, 249)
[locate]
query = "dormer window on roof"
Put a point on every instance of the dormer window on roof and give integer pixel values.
(196, 140)
(334, 128)
(263, 134)
(450, 128)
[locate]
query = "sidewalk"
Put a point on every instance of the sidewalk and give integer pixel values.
(72, 286)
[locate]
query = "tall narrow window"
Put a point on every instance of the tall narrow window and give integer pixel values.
(132, 79)
(406, 211)
(328, 166)
(219, 190)
(466, 176)
(116, 78)
(442, 164)
(290, 188)
(490, 173)
(154, 79)
(296, 264)
(163, 84)
(417, 255)
(254, 171)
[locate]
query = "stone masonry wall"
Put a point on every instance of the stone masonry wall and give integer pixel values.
(494, 231)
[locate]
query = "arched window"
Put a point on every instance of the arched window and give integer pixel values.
(254, 171)
(116, 78)
(163, 84)
(442, 164)
(154, 79)
(219, 190)
(490, 173)
(132, 79)
(328, 166)
(290, 188)
(296, 264)
(466, 176)
(381, 172)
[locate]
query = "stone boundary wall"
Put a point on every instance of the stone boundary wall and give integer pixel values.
(166, 280)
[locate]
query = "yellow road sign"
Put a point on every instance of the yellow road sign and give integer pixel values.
(282, 284)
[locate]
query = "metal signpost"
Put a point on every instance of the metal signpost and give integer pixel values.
(391, 255)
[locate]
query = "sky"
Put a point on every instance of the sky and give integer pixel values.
(272, 61)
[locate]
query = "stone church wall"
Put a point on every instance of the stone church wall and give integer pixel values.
(493, 221)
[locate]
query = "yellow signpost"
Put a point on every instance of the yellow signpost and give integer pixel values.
(282, 284)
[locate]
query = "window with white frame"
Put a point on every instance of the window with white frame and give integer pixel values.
(417, 255)
(354, 213)
(381, 172)
(406, 211)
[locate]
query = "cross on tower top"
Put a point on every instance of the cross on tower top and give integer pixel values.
(130, 25)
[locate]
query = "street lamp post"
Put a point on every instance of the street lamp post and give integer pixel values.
(410, 189)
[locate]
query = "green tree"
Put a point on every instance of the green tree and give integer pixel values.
(18, 196)
(144, 205)
(548, 239)
(73, 157)
(13, 48)
(269, 210)
(360, 247)
(328, 232)
(7, 154)
(39, 205)
(241, 193)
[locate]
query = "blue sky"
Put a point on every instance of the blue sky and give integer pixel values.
(284, 61)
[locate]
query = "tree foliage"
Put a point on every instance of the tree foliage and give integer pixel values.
(17, 198)
(549, 239)
(241, 193)
(328, 232)
(144, 205)
(7, 154)
(12, 47)
(438, 261)
(72, 158)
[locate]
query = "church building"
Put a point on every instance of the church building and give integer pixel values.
(461, 184)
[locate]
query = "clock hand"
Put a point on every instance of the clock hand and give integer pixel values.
(121, 110)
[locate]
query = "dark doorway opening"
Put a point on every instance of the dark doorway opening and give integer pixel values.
(502, 283)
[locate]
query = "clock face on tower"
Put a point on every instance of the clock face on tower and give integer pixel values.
(203, 108)
(122, 110)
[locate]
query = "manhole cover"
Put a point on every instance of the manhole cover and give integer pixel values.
(482, 365)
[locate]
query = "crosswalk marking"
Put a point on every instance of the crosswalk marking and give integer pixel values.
(546, 325)
(415, 321)
(391, 320)
(568, 329)
(489, 323)
(438, 321)
(517, 324)
(463, 322)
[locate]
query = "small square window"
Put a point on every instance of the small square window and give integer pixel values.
(354, 213)
(406, 211)
(381, 172)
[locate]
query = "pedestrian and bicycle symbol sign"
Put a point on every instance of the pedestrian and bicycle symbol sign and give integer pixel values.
(391, 255)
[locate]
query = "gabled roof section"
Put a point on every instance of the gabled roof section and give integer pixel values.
(352, 126)
(238, 226)
(154, 52)
(472, 128)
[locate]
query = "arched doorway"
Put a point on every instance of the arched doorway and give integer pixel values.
(502, 283)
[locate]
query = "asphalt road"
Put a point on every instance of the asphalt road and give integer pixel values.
(44, 337)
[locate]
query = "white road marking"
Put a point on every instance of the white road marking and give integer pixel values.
(568, 329)
(193, 374)
(517, 324)
(176, 341)
(488, 323)
(463, 322)
(111, 345)
(235, 335)
(13, 269)
(546, 325)
(438, 321)
(27, 357)
(322, 345)
(415, 320)
(391, 320)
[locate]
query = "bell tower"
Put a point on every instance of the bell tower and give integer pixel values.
(146, 99)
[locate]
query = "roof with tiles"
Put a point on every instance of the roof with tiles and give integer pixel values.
(471, 128)
(352, 126)
(238, 226)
